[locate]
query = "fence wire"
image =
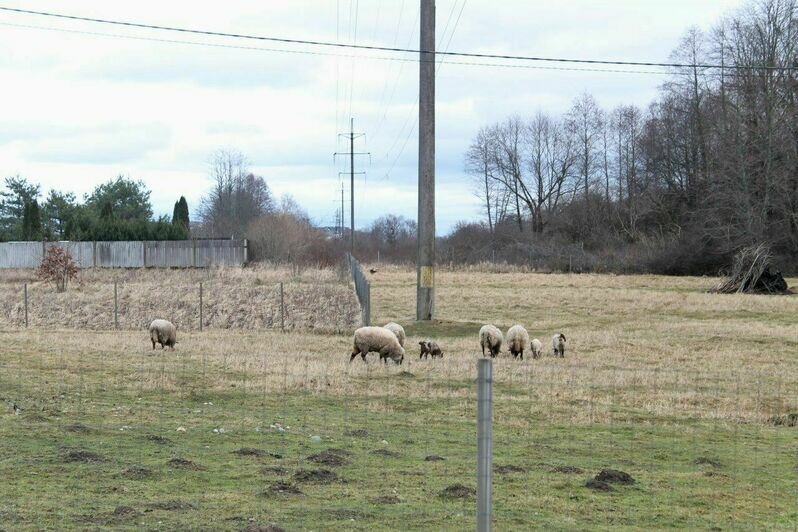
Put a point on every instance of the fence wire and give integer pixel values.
(228, 432)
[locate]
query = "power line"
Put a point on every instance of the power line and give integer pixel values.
(415, 122)
(327, 54)
(393, 49)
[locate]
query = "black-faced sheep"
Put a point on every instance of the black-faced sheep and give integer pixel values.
(558, 345)
(398, 330)
(491, 338)
(377, 340)
(517, 341)
(163, 332)
(537, 348)
(430, 349)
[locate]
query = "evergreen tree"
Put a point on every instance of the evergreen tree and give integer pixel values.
(35, 215)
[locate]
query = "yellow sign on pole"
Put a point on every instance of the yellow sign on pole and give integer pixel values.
(427, 279)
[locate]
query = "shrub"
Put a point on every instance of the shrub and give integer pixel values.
(57, 267)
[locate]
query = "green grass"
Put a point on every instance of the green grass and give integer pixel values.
(752, 487)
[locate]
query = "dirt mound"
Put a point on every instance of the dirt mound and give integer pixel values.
(273, 470)
(281, 488)
(331, 457)
(158, 439)
(385, 499)
(262, 528)
(137, 472)
(182, 463)
(567, 469)
(703, 460)
(386, 452)
(321, 476)
(509, 468)
(171, 505)
(77, 427)
(358, 433)
(125, 512)
(598, 485)
(615, 476)
(434, 458)
(787, 420)
(249, 451)
(83, 457)
(457, 491)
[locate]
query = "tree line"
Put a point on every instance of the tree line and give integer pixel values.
(711, 165)
(119, 209)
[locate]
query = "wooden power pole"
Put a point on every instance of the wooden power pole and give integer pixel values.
(425, 261)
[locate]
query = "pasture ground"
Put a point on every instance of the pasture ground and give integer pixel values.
(688, 392)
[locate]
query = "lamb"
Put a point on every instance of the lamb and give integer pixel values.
(517, 341)
(163, 332)
(378, 340)
(558, 345)
(429, 349)
(490, 337)
(537, 348)
(398, 330)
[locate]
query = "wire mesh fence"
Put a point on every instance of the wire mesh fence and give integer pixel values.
(260, 427)
(209, 304)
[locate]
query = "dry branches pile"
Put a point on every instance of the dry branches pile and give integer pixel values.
(751, 274)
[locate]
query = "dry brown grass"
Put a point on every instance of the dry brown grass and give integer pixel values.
(638, 347)
(239, 298)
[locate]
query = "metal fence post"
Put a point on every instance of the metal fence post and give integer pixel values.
(26, 305)
(116, 306)
(282, 309)
(484, 443)
(200, 309)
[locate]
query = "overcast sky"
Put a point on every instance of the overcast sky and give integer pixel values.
(78, 109)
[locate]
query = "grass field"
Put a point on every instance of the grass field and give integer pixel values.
(688, 392)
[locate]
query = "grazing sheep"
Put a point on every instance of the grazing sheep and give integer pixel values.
(537, 348)
(378, 340)
(490, 337)
(163, 332)
(430, 348)
(558, 345)
(398, 330)
(517, 341)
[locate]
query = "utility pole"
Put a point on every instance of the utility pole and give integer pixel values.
(343, 223)
(351, 153)
(425, 262)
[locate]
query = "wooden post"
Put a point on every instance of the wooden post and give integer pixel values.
(116, 306)
(26, 305)
(200, 306)
(282, 308)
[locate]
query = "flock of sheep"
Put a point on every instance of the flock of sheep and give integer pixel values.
(389, 342)
(491, 338)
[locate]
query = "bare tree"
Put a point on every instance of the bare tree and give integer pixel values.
(237, 196)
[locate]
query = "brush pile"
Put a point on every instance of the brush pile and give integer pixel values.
(751, 274)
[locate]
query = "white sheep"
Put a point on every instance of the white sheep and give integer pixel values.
(398, 330)
(377, 340)
(517, 341)
(490, 337)
(537, 348)
(558, 345)
(163, 332)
